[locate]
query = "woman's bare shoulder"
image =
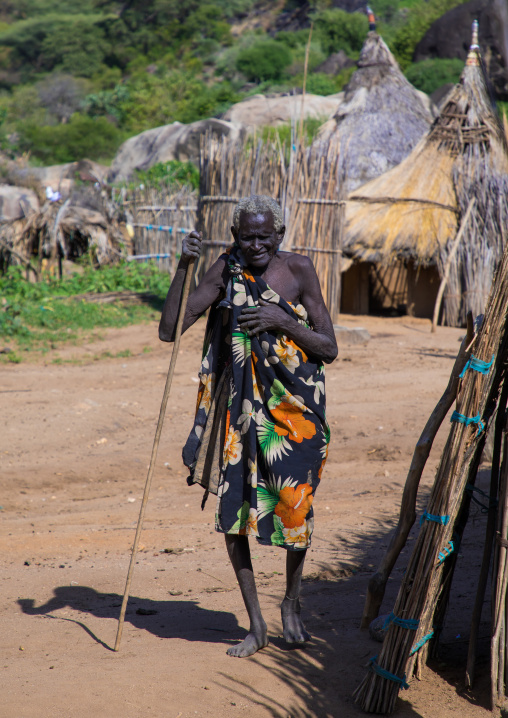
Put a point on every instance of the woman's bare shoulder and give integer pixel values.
(297, 263)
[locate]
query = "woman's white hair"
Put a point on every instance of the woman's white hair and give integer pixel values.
(259, 204)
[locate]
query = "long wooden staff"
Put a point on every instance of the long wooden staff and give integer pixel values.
(158, 431)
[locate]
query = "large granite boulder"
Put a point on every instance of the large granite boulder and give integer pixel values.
(260, 110)
(170, 142)
(450, 37)
(16, 202)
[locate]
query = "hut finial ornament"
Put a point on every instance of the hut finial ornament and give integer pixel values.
(474, 49)
(371, 18)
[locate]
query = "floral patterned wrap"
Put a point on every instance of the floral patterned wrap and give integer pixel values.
(274, 440)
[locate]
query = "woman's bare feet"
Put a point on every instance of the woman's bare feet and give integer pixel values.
(255, 641)
(293, 628)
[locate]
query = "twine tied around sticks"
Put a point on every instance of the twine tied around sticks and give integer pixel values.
(467, 420)
(386, 674)
(410, 623)
(478, 365)
(421, 643)
(433, 517)
(446, 551)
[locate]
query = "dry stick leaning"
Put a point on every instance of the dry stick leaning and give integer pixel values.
(158, 431)
(407, 516)
(446, 273)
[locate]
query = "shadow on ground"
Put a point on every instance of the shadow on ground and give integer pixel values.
(323, 675)
(166, 619)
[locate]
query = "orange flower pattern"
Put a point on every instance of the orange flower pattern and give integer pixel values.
(275, 433)
(294, 505)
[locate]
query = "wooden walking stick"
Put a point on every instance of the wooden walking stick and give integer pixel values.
(158, 431)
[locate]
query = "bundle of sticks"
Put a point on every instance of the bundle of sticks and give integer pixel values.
(422, 599)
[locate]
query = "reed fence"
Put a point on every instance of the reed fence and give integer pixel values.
(160, 219)
(306, 184)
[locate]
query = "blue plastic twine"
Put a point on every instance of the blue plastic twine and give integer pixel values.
(432, 517)
(447, 550)
(421, 643)
(386, 674)
(411, 623)
(467, 420)
(478, 365)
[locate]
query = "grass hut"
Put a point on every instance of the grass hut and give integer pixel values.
(401, 226)
(381, 118)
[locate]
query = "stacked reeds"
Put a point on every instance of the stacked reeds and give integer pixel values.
(88, 221)
(423, 593)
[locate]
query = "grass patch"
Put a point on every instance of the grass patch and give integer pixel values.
(43, 316)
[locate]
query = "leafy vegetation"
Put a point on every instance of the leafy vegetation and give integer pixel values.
(76, 79)
(429, 75)
(44, 315)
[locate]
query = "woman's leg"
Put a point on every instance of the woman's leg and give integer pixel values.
(239, 554)
(293, 628)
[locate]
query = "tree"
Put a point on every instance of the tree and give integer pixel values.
(341, 30)
(61, 95)
(71, 43)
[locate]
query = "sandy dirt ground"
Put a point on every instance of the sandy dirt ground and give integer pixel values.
(75, 441)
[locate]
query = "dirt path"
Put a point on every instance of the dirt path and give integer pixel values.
(75, 439)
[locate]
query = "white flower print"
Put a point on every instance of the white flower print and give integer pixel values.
(249, 413)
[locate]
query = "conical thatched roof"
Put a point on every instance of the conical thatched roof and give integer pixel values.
(381, 118)
(414, 209)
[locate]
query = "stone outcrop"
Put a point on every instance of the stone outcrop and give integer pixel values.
(450, 37)
(169, 142)
(260, 110)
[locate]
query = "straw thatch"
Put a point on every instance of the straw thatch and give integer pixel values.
(413, 211)
(381, 118)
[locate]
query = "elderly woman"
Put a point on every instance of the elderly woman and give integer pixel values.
(260, 436)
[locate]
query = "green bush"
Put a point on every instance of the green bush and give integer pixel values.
(81, 137)
(176, 95)
(265, 60)
(341, 30)
(429, 75)
(172, 174)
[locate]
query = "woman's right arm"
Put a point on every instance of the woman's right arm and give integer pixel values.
(206, 293)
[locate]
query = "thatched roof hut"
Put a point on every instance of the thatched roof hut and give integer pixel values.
(413, 211)
(381, 118)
